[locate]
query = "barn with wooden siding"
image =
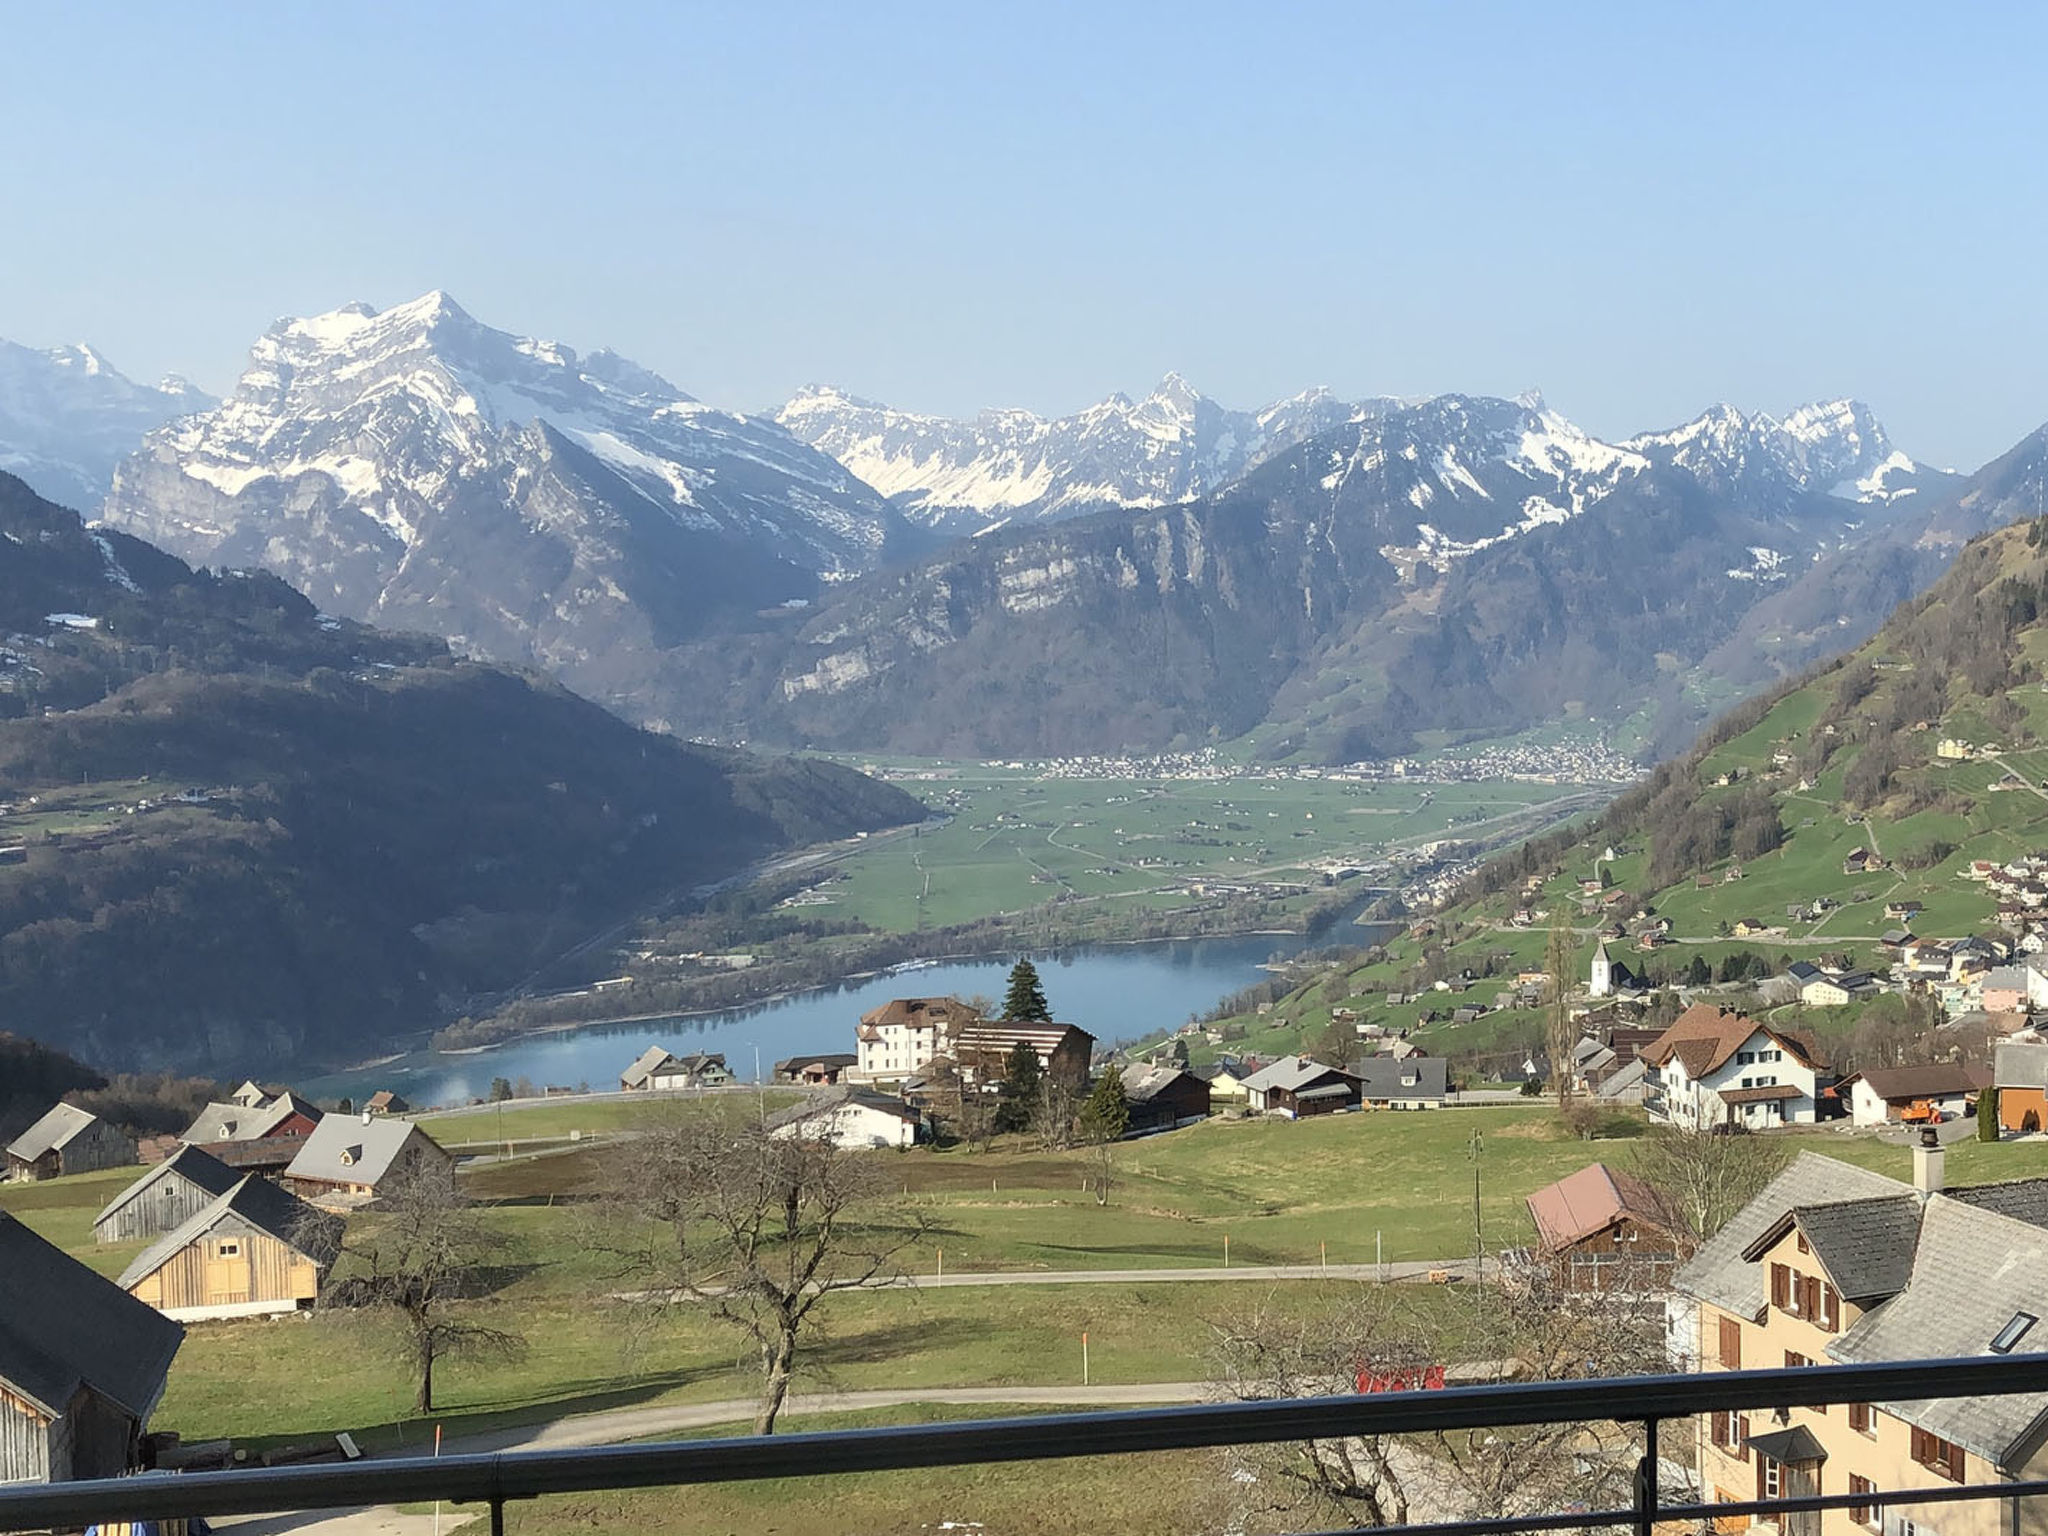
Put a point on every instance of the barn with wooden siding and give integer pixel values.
(346, 1161)
(252, 1251)
(82, 1365)
(163, 1199)
(68, 1140)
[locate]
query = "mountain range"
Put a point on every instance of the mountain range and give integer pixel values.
(68, 416)
(1339, 579)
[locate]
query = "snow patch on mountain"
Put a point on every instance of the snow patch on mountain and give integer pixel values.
(68, 416)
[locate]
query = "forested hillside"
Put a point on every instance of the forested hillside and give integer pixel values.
(239, 834)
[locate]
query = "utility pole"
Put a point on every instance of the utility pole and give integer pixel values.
(1473, 1149)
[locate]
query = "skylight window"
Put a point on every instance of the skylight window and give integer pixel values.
(2013, 1332)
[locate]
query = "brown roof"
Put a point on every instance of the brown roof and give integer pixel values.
(1704, 1037)
(1761, 1095)
(1893, 1084)
(939, 1012)
(1591, 1200)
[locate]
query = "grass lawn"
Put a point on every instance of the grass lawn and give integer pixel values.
(1165, 1493)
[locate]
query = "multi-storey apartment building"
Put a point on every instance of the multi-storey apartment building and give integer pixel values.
(1835, 1265)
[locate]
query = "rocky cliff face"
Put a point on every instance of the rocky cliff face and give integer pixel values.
(417, 468)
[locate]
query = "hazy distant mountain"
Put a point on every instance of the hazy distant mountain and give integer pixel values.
(416, 468)
(67, 417)
(1459, 565)
(1174, 445)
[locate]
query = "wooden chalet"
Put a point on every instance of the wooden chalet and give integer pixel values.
(68, 1140)
(1298, 1087)
(254, 1250)
(983, 1047)
(1161, 1098)
(1603, 1230)
(165, 1197)
(816, 1071)
(82, 1365)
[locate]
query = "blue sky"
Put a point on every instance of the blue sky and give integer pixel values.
(1637, 209)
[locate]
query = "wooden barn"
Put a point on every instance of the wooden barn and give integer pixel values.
(170, 1194)
(252, 1251)
(283, 1117)
(1161, 1098)
(82, 1365)
(68, 1140)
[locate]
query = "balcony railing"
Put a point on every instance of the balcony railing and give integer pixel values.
(1648, 1401)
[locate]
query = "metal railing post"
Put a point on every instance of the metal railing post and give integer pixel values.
(1646, 1481)
(497, 1515)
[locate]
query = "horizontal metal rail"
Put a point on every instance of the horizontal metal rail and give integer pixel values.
(495, 1478)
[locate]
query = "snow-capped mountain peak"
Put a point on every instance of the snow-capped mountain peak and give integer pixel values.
(1831, 446)
(381, 459)
(67, 416)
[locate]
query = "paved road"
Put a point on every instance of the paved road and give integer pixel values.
(1409, 1270)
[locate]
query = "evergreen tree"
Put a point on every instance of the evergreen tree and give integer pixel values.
(1021, 1077)
(1107, 1114)
(1026, 998)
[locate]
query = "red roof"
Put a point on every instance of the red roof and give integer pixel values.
(1592, 1200)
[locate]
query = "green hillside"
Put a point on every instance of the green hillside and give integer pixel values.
(1745, 844)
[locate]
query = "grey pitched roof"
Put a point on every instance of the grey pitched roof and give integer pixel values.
(1290, 1074)
(1719, 1274)
(230, 1121)
(64, 1326)
(193, 1164)
(2021, 1066)
(1789, 1445)
(644, 1064)
(56, 1128)
(1866, 1246)
(2021, 1199)
(1974, 1270)
(832, 1098)
(1629, 1076)
(1144, 1083)
(346, 1150)
(1381, 1077)
(261, 1206)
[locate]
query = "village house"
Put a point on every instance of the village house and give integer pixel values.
(1833, 1264)
(234, 1119)
(348, 1162)
(1163, 1098)
(385, 1102)
(1225, 1078)
(1836, 990)
(68, 1140)
(1413, 1082)
(1713, 1067)
(254, 1251)
(815, 1071)
(1603, 1230)
(852, 1119)
(1297, 1087)
(655, 1070)
(1889, 1095)
(982, 1049)
(82, 1365)
(904, 1034)
(172, 1192)
(2020, 1070)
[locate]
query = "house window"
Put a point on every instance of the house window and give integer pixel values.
(1795, 1361)
(1731, 1343)
(1830, 1308)
(1937, 1455)
(1770, 1478)
(1865, 1515)
(1863, 1419)
(2013, 1332)
(227, 1248)
(1730, 1433)
(1804, 1246)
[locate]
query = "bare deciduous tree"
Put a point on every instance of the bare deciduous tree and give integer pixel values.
(758, 1224)
(416, 1255)
(1380, 1336)
(1708, 1175)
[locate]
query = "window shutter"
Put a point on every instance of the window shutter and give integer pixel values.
(1731, 1343)
(1810, 1304)
(1955, 1462)
(1781, 1286)
(1742, 1434)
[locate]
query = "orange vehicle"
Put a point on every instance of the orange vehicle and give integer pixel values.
(1920, 1112)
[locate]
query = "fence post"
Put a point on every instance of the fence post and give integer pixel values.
(1646, 1481)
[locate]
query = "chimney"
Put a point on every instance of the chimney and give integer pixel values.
(366, 1119)
(1928, 1158)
